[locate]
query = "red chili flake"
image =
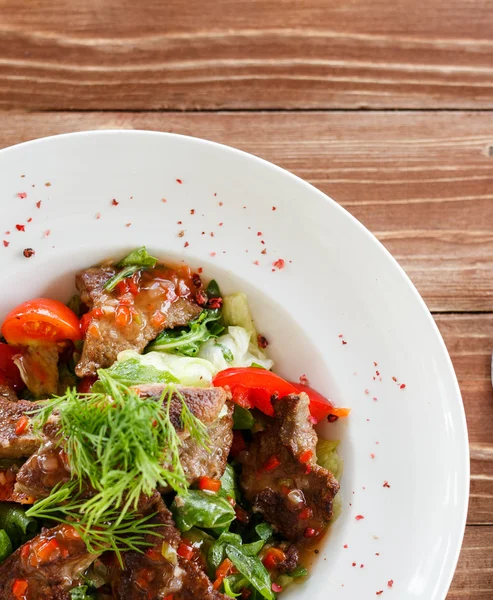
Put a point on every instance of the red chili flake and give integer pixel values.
(255, 262)
(386, 484)
(274, 208)
(340, 335)
(98, 215)
(220, 224)
(5, 243)
(201, 298)
(377, 373)
(179, 181)
(378, 593)
(304, 379)
(199, 270)
(192, 211)
(30, 219)
(375, 399)
(394, 378)
(359, 517)
(220, 203)
(276, 587)
(213, 254)
(20, 227)
(114, 202)
(196, 280)
(390, 582)
(262, 242)
(128, 224)
(353, 564)
(7, 233)
(179, 223)
(372, 455)
(28, 252)
(345, 546)
(262, 341)
(264, 251)
(402, 386)
(22, 195)
(244, 207)
(367, 391)
(186, 244)
(181, 233)
(377, 553)
(212, 234)
(375, 364)
(361, 566)
(309, 532)
(47, 232)
(344, 342)
(332, 418)
(47, 184)
(278, 264)
(38, 204)
(164, 200)
(259, 233)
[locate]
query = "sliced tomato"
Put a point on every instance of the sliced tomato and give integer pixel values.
(41, 320)
(252, 387)
(320, 406)
(9, 373)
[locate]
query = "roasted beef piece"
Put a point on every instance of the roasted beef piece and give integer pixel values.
(47, 567)
(45, 469)
(280, 476)
(164, 300)
(7, 393)
(197, 461)
(160, 572)
(12, 444)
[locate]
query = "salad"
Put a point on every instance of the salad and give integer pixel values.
(147, 449)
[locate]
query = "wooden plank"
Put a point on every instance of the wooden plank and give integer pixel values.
(474, 575)
(239, 54)
(469, 339)
(422, 182)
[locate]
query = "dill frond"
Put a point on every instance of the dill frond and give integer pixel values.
(121, 447)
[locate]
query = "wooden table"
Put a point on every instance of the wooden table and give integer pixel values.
(383, 104)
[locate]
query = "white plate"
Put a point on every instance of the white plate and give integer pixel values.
(337, 281)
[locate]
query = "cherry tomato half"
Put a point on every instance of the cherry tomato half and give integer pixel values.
(40, 320)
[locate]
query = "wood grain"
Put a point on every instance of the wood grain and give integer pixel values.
(469, 339)
(66, 54)
(422, 182)
(473, 578)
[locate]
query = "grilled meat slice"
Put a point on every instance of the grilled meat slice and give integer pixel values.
(13, 442)
(163, 301)
(280, 476)
(203, 403)
(198, 462)
(160, 572)
(41, 473)
(7, 393)
(50, 564)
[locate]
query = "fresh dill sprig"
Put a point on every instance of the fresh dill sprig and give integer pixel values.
(64, 505)
(120, 447)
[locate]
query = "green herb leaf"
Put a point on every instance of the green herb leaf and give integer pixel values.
(135, 261)
(16, 524)
(242, 418)
(186, 340)
(81, 593)
(213, 290)
(201, 509)
(252, 569)
(264, 531)
(133, 372)
(300, 571)
(6, 548)
(229, 486)
(216, 553)
(138, 258)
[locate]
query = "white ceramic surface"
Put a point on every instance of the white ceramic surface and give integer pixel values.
(337, 281)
